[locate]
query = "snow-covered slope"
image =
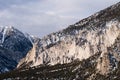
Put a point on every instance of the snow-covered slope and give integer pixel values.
(79, 41)
(14, 45)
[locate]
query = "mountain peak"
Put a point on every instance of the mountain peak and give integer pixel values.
(7, 31)
(6, 27)
(16, 46)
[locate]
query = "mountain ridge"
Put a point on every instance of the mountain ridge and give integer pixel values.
(79, 41)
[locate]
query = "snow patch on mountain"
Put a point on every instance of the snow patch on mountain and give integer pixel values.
(6, 30)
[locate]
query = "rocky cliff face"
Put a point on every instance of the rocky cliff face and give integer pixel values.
(76, 70)
(81, 40)
(14, 45)
(108, 61)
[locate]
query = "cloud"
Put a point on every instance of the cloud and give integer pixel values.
(41, 17)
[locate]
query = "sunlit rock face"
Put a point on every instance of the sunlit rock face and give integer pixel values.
(108, 60)
(81, 40)
(79, 45)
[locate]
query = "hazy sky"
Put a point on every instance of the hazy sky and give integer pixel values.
(41, 17)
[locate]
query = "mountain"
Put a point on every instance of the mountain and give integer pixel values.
(14, 45)
(86, 50)
(79, 41)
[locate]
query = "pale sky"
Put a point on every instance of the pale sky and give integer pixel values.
(41, 17)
